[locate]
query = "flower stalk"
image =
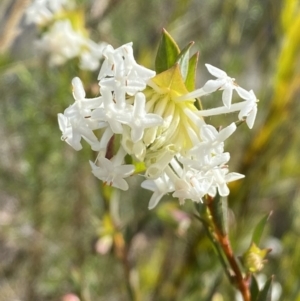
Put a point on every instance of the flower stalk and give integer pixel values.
(241, 281)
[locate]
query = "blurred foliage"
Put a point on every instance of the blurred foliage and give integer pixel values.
(62, 232)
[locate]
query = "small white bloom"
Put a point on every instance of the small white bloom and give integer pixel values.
(193, 185)
(212, 140)
(249, 109)
(76, 122)
(68, 134)
(223, 82)
(38, 12)
(62, 43)
(110, 112)
(160, 187)
(74, 126)
(139, 120)
(91, 55)
(220, 179)
(111, 172)
(120, 72)
(42, 11)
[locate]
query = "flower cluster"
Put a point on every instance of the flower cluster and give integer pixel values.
(61, 39)
(154, 120)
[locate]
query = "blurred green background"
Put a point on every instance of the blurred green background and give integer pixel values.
(63, 235)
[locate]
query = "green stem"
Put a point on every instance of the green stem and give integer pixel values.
(216, 246)
(224, 243)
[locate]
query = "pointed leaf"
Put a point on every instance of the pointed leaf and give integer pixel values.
(167, 53)
(219, 210)
(257, 233)
(266, 292)
(254, 288)
(183, 60)
(190, 80)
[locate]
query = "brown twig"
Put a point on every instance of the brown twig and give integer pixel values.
(11, 30)
(223, 239)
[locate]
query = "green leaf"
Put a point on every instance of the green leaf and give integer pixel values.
(219, 209)
(167, 53)
(183, 60)
(257, 233)
(254, 289)
(190, 80)
(265, 293)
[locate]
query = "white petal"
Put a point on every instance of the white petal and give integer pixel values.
(139, 105)
(149, 184)
(124, 170)
(215, 71)
(208, 132)
(251, 118)
(78, 90)
(155, 198)
(62, 121)
(120, 183)
(223, 189)
(243, 93)
(136, 134)
(233, 176)
(226, 132)
(212, 85)
(227, 96)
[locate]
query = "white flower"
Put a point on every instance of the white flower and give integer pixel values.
(249, 109)
(62, 43)
(160, 186)
(220, 178)
(120, 73)
(111, 172)
(74, 126)
(212, 140)
(42, 11)
(91, 54)
(68, 134)
(223, 82)
(38, 12)
(193, 185)
(139, 120)
(111, 111)
(76, 122)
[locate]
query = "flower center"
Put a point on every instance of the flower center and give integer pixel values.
(180, 129)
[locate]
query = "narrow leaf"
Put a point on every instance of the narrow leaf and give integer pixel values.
(183, 60)
(219, 210)
(190, 80)
(258, 231)
(167, 53)
(254, 289)
(266, 292)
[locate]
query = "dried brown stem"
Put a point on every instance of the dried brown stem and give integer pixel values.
(11, 30)
(223, 239)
